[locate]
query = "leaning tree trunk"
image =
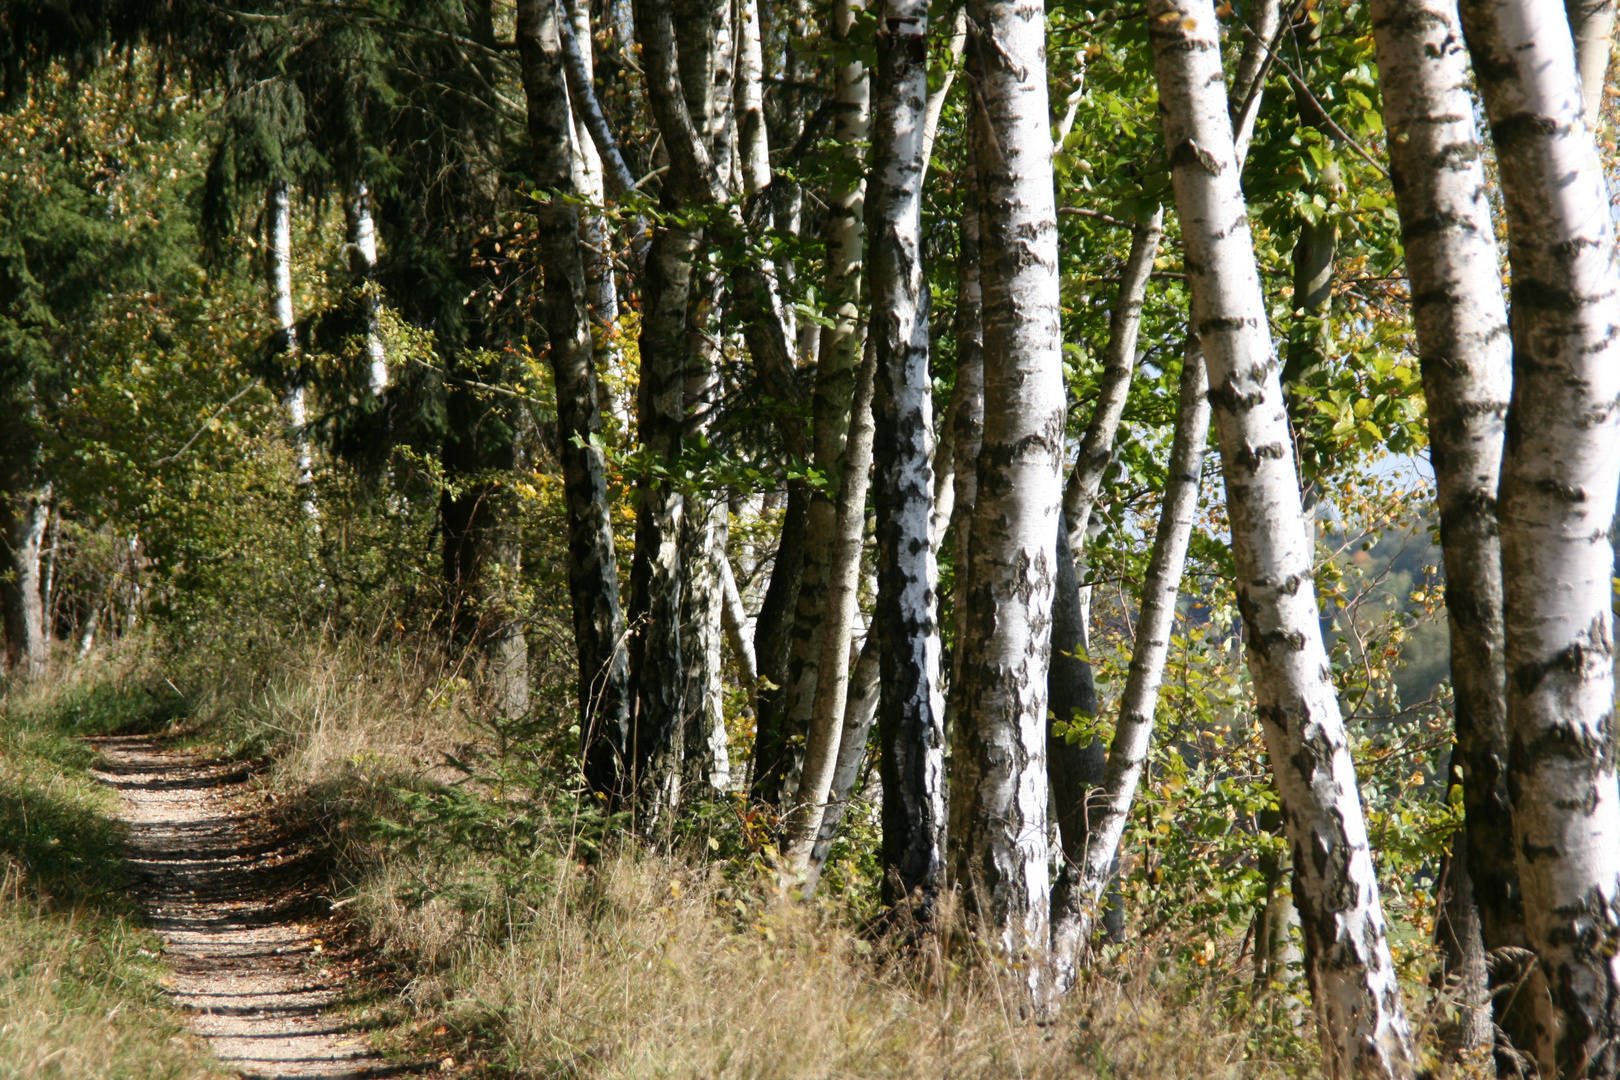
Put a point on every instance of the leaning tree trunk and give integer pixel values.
(1461, 323)
(911, 720)
(593, 575)
(999, 849)
(1559, 477)
(1108, 811)
(843, 580)
(362, 249)
(838, 357)
(1362, 1025)
(278, 222)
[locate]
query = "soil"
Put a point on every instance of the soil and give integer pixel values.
(234, 896)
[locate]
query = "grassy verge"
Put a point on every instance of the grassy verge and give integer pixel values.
(80, 983)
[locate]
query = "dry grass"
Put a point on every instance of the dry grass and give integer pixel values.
(645, 966)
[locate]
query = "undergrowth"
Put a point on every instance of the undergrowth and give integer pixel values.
(80, 982)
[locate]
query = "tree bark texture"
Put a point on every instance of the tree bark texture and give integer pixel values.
(911, 718)
(999, 796)
(1460, 317)
(1560, 466)
(362, 251)
(753, 139)
(843, 585)
(593, 576)
(1109, 809)
(838, 357)
(278, 223)
(1262, 29)
(1353, 981)
(860, 710)
(1592, 24)
(1119, 364)
(27, 511)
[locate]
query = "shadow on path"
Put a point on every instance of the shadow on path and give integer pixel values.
(234, 897)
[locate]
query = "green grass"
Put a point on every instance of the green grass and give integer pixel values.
(80, 982)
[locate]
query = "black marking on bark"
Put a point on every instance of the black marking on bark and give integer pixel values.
(1551, 485)
(1228, 396)
(1250, 457)
(1513, 132)
(1531, 295)
(1189, 153)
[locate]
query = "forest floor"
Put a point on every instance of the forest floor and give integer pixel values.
(232, 894)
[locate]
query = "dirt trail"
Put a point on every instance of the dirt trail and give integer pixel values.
(231, 894)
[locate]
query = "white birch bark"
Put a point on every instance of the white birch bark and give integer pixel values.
(27, 513)
(1591, 22)
(1357, 997)
(605, 697)
(1108, 811)
(860, 711)
(753, 143)
(1263, 34)
(911, 711)
(999, 794)
(278, 214)
(362, 247)
(1559, 476)
(1460, 318)
(832, 681)
(736, 623)
(837, 358)
(1119, 363)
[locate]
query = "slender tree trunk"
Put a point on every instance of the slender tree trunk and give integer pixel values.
(1592, 24)
(278, 221)
(1263, 26)
(27, 512)
(968, 421)
(734, 620)
(1461, 321)
(838, 357)
(827, 718)
(1108, 811)
(707, 757)
(1558, 485)
(1119, 364)
(362, 249)
(773, 628)
(860, 710)
(911, 718)
(1352, 978)
(593, 575)
(753, 143)
(999, 794)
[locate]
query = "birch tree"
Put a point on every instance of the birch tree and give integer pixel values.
(911, 720)
(999, 792)
(593, 576)
(1460, 318)
(362, 250)
(1362, 1025)
(1591, 22)
(278, 273)
(1559, 475)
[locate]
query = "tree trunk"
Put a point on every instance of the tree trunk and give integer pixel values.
(753, 142)
(1461, 323)
(734, 620)
(999, 794)
(910, 714)
(593, 574)
(278, 222)
(707, 757)
(860, 710)
(362, 249)
(827, 718)
(1363, 1028)
(27, 512)
(1263, 26)
(1559, 477)
(1108, 811)
(1592, 24)
(1119, 364)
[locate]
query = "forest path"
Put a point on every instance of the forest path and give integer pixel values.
(231, 894)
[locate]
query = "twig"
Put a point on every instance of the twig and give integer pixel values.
(199, 433)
